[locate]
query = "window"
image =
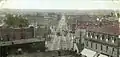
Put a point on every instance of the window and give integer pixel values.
(106, 38)
(86, 43)
(109, 37)
(113, 39)
(91, 45)
(100, 37)
(101, 47)
(103, 36)
(106, 48)
(96, 46)
(88, 34)
(96, 36)
(91, 36)
(112, 50)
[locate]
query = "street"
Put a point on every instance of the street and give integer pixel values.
(60, 41)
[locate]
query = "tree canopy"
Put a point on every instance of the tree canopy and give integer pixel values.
(16, 21)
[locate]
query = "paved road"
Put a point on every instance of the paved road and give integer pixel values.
(60, 42)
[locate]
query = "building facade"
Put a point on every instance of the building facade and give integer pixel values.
(13, 40)
(102, 41)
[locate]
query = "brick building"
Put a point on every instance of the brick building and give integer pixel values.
(13, 39)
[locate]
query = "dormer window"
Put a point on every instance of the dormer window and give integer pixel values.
(106, 37)
(91, 36)
(96, 36)
(87, 34)
(103, 37)
(107, 40)
(113, 39)
(100, 37)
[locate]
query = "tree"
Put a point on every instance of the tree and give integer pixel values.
(16, 21)
(112, 14)
(118, 15)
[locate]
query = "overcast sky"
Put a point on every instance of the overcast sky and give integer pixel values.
(60, 4)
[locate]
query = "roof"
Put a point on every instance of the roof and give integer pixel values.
(108, 29)
(22, 41)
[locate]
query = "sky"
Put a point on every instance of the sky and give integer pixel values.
(61, 4)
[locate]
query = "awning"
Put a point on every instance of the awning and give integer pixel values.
(88, 52)
(101, 55)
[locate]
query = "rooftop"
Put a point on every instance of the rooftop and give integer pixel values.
(22, 41)
(107, 29)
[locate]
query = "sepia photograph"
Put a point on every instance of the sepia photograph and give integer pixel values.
(59, 28)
